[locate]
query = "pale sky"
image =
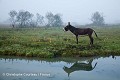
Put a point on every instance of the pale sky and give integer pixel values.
(79, 11)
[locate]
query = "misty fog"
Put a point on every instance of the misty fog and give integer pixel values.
(77, 11)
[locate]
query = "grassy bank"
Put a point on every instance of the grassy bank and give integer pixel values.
(54, 42)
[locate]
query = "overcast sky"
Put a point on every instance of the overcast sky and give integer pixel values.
(79, 11)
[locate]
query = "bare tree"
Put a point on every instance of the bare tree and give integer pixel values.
(97, 19)
(54, 20)
(32, 23)
(39, 19)
(57, 20)
(12, 19)
(50, 18)
(23, 18)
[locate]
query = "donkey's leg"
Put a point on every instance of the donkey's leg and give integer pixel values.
(91, 39)
(77, 38)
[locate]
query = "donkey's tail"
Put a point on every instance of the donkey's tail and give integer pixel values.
(95, 34)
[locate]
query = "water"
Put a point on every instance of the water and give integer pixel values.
(93, 68)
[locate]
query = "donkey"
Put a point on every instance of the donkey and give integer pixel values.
(80, 66)
(80, 31)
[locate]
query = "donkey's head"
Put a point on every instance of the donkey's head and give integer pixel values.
(67, 27)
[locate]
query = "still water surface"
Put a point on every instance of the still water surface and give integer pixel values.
(92, 68)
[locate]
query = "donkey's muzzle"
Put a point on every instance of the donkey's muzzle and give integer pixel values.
(65, 29)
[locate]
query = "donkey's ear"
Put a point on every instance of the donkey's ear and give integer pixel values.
(68, 23)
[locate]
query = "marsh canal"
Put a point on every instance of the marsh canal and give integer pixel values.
(92, 68)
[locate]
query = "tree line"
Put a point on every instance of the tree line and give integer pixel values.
(27, 19)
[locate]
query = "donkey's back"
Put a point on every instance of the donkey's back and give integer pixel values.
(84, 31)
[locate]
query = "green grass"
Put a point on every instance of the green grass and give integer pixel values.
(54, 42)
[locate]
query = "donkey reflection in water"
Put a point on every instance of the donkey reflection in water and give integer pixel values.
(80, 66)
(81, 31)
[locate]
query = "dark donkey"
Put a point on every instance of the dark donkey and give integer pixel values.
(81, 31)
(80, 66)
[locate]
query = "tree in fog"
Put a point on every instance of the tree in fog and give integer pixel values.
(27, 19)
(50, 18)
(12, 19)
(31, 23)
(39, 19)
(97, 19)
(24, 18)
(53, 20)
(57, 20)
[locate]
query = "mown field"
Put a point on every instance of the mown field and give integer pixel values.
(54, 42)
